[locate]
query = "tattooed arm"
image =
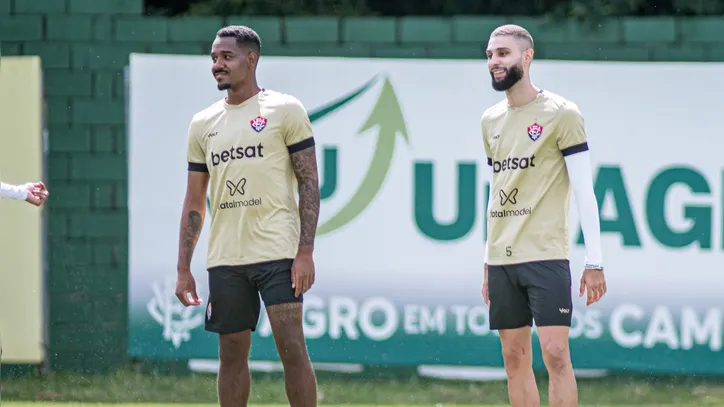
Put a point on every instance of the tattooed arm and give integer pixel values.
(192, 218)
(193, 213)
(305, 168)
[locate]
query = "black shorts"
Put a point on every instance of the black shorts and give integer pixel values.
(522, 293)
(233, 304)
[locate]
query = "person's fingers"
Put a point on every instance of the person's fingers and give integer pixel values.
(307, 279)
(308, 283)
(302, 284)
(296, 282)
(595, 294)
(583, 287)
(193, 297)
(182, 298)
(601, 290)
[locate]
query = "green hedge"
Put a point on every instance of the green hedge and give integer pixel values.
(587, 10)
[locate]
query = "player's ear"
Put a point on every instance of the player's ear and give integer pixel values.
(528, 55)
(252, 59)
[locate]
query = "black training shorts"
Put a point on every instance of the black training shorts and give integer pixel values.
(522, 293)
(233, 304)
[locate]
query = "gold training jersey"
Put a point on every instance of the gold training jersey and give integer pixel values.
(246, 150)
(530, 189)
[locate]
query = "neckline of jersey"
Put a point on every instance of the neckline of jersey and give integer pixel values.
(244, 103)
(535, 100)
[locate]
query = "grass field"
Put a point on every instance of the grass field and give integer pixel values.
(282, 405)
(46, 404)
(261, 405)
(148, 389)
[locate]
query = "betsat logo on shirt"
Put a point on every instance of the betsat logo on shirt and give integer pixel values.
(514, 163)
(237, 153)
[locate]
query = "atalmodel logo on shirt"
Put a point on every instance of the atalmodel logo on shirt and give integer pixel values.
(508, 197)
(258, 124)
(236, 187)
(238, 195)
(535, 130)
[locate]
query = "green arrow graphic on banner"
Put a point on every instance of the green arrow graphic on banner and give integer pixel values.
(387, 117)
(320, 112)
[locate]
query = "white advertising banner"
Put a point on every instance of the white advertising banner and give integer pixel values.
(399, 252)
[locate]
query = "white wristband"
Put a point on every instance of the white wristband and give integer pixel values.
(19, 192)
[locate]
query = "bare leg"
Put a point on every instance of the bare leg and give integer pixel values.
(234, 382)
(563, 390)
(518, 358)
(299, 377)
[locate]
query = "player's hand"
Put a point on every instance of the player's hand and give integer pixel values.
(37, 193)
(302, 273)
(186, 289)
(594, 282)
(485, 286)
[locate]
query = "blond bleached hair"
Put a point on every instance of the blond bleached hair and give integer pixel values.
(515, 31)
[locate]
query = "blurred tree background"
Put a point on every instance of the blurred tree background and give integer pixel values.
(578, 9)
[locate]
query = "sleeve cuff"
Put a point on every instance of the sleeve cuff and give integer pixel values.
(578, 148)
(198, 167)
(302, 145)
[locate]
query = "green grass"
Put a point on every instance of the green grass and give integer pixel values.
(268, 389)
(46, 404)
(178, 405)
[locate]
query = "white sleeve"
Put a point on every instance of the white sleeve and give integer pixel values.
(581, 176)
(19, 192)
(487, 211)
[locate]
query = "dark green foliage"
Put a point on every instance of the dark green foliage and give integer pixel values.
(588, 10)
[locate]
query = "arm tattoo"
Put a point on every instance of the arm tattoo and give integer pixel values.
(190, 231)
(305, 168)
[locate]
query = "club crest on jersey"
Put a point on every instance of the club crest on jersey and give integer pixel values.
(535, 130)
(258, 124)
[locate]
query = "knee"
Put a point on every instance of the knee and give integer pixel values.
(233, 350)
(292, 351)
(556, 356)
(517, 358)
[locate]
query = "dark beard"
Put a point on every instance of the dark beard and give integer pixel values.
(512, 76)
(223, 86)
